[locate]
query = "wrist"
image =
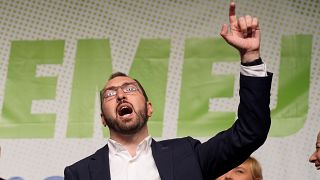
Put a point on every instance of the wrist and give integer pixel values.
(249, 56)
(253, 63)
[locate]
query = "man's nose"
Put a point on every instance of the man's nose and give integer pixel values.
(120, 95)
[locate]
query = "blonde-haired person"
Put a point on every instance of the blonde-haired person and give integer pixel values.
(248, 170)
(0, 156)
(315, 157)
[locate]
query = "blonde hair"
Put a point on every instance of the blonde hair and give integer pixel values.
(256, 169)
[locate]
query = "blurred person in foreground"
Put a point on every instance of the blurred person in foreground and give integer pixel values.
(315, 157)
(0, 157)
(248, 170)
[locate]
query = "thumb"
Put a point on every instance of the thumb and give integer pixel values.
(257, 33)
(224, 31)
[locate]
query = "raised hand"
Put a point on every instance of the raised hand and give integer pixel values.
(244, 35)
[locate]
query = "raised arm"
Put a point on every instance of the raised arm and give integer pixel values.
(231, 147)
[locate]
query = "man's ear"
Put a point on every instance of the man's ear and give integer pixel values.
(149, 109)
(103, 120)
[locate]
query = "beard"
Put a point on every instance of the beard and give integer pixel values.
(128, 129)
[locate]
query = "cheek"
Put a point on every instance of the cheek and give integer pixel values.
(318, 155)
(137, 102)
(108, 108)
(242, 176)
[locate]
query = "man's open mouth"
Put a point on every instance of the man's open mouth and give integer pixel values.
(124, 109)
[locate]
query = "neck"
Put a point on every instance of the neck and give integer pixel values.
(130, 142)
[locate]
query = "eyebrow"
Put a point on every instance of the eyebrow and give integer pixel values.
(241, 168)
(115, 87)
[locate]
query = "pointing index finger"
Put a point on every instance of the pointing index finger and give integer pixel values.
(232, 13)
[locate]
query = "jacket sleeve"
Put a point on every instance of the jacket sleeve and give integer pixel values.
(231, 147)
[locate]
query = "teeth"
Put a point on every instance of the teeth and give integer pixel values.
(124, 110)
(124, 106)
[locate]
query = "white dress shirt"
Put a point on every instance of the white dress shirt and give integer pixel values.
(125, 167)
(255, 71)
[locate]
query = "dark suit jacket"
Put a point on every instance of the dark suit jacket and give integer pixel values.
(189, 159)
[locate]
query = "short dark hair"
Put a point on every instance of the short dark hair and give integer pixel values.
(120, 74)
(117, 74)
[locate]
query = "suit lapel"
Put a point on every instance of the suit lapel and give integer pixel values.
(163, 158)
(99, 165)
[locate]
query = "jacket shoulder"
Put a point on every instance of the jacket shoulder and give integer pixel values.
(83, 163)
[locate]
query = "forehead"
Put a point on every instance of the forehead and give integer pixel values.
(245, 165)
(318, 137)
(118, 81)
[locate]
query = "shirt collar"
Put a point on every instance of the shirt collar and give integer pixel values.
(115, 147)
